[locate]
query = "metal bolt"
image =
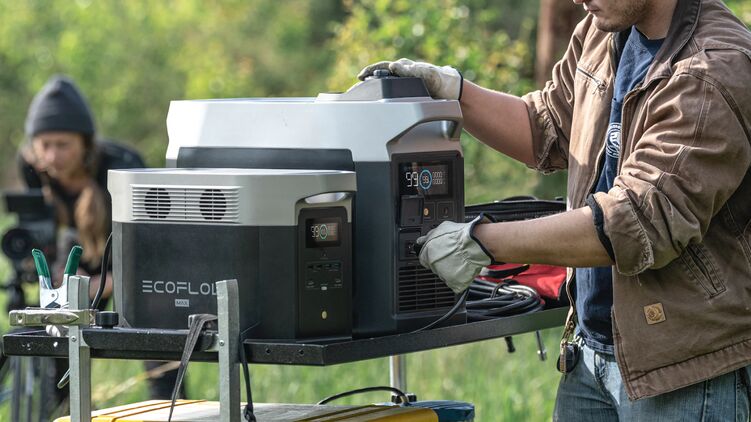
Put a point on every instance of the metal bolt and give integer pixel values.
(221, 342)
(73, 339)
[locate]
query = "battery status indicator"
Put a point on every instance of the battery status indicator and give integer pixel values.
(322, 232)
(429, 179)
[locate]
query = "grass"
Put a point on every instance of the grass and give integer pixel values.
(502, 386)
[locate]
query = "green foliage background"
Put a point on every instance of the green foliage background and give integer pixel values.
(132, 57)
(491, 44)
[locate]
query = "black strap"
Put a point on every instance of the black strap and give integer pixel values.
(248, 412)
(194, 332)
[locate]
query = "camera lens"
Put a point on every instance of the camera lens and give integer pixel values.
(17, 243)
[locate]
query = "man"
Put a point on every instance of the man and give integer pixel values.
(650, 112)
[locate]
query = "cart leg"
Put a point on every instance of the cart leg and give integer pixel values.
(398, 372)
(229, 334)
(17, 366)
(541, 351)
(79, 354)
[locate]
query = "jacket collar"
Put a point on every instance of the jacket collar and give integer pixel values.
(682, 27)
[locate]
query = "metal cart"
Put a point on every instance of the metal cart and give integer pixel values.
(84, 342)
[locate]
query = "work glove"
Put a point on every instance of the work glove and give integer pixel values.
(442, 82)
(454, 254)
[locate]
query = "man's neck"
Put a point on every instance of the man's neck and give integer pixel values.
(656, 22)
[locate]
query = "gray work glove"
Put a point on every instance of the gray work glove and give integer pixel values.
(452, 253)
(442, 82)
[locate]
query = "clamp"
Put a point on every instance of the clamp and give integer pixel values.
(49, 296)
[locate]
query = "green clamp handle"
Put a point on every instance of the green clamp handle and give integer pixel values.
(42, 269)
(41, 263)
(71, 267)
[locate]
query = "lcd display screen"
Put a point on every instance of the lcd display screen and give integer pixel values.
(322, 232)
(428, 179)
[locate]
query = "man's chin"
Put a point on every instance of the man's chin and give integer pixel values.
(609, 26)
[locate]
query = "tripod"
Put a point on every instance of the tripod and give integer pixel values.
(27, 385)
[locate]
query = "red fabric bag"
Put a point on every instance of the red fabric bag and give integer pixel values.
(548, 280)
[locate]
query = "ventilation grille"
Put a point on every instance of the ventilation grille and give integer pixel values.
(421, 290)
(193, 204)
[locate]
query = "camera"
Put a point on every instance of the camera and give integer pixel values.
(35, 230)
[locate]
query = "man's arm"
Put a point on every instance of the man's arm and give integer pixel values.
(457, 252)
(499, 120)
(568, 239)
(533, 129)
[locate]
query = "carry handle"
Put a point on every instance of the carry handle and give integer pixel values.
(440, 111)
(327, 198)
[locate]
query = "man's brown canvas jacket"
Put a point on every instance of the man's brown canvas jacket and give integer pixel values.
(679, 215)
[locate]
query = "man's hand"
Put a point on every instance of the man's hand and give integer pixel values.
(453, 253)
(442, 82)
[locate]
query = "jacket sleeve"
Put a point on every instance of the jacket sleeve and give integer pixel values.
(550, 109)
(692, 156)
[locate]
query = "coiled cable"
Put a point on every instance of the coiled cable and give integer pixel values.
(488, 300)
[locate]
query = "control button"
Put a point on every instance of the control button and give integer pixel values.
(336, 266)
(446, 210)
(310, 284)
(428, 211)
(411, 211)
(327, 267)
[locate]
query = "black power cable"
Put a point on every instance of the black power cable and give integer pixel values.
(103, 273)
(398, 392)
(416, 248)
(488, 300)
(462, 299)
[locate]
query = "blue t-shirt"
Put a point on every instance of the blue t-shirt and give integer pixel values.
(594, 286)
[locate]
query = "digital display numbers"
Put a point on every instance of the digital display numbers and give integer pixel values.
(322, 232)
(429, 179)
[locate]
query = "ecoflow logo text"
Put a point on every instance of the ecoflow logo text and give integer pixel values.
(177, 288)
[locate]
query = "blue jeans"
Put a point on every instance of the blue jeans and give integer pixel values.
(594, 391)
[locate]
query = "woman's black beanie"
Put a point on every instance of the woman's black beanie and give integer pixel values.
(59, 106)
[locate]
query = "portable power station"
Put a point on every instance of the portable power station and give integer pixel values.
(403, 146)
(285, 235)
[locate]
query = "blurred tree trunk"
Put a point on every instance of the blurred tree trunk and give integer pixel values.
(556, 23)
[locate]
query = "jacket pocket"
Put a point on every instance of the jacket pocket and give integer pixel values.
(704, 269)
(589, 77)
(742, 236)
